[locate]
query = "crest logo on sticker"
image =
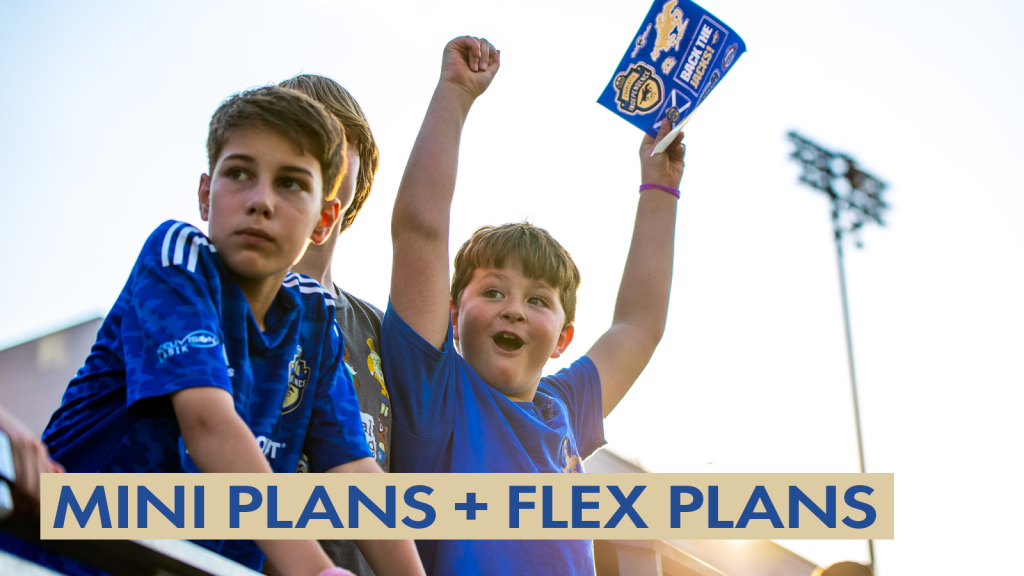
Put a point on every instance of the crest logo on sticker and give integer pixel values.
(640, 89)
(730, 55)
(298, 377)
(671, 27)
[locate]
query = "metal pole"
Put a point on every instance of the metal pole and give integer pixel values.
(849, 346)
(849, 356)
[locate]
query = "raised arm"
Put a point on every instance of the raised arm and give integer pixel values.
(419, 223)
(641, 306)
(218, 440)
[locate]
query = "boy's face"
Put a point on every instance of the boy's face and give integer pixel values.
(264, 203)
(508, 325)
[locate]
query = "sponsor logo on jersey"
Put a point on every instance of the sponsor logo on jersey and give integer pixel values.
(298, 377)
(640, 89)
(196, 339)
(269, 447)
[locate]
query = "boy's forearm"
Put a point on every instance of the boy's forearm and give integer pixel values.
(641, 306)
(391, 557)
(643, 296)
(216, 437)
(419, 226)
(218, 440)
(424, 199)
(295, 557)
(386, 557)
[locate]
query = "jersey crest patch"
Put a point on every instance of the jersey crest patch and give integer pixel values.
(298, 377)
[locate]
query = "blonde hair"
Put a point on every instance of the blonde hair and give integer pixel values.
(344, 107)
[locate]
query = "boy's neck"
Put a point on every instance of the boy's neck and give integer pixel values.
(316, 262)
(260, 295)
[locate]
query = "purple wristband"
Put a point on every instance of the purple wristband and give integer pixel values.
(669, 189)
(335, 572)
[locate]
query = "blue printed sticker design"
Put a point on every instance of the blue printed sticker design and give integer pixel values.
(680, 53)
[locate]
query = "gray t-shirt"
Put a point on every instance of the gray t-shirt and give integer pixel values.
(360, 325)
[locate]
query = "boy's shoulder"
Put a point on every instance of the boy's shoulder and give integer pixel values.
(177, 257)
(176, 244)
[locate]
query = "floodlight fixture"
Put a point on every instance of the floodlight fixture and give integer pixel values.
(856, 200)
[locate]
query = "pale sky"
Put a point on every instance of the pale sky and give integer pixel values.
(103, 121)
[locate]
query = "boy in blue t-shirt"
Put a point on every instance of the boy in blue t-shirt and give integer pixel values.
(215, 358)
(510, 307)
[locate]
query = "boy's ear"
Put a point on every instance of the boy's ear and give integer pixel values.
(455, 320)
(328, 218)
(204, 197)
(563, 341)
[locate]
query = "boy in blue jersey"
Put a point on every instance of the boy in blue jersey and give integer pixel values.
(215, 358)
(510, 307)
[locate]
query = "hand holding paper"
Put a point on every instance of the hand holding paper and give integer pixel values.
(663, 167)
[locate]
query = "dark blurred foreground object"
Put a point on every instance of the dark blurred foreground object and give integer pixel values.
(856, 200)
(847, 569)
(122, 557)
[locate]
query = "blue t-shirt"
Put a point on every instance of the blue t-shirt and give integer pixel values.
(447, 419)
(182, 321)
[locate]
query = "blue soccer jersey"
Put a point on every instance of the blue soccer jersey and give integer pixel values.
(182, 321)
(447, 419)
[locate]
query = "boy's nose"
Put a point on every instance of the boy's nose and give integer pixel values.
(513, 313)
(260, 201)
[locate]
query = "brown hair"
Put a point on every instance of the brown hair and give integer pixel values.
(540, 255)
(293, 115)
(339, 102)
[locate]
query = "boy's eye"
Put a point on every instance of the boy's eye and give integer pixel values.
(237, 174)
(538, 301)
(492, 293)
(292, 185)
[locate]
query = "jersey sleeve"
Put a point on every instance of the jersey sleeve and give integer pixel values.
(418, 377)
(579, 386)
(171, 330)
(335, 435)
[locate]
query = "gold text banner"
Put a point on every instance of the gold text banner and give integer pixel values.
(467, 506)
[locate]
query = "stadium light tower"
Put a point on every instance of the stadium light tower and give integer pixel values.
(856, 200)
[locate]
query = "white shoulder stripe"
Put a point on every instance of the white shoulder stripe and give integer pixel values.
(179, 245)
(292, 281)
(193, 255)
(179, 234)
(165, 254)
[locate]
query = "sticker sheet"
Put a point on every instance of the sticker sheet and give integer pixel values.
(676, 59)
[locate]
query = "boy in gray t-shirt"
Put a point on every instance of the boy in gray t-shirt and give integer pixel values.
(358, 320)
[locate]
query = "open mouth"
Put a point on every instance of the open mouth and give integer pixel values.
(507, 341)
